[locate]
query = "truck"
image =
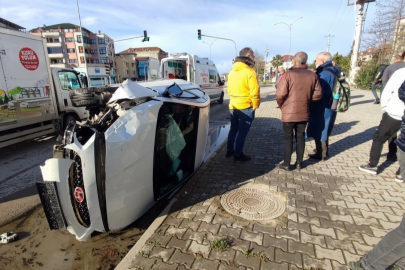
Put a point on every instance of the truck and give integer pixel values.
(194, 69)
(34, 98)
(147, 68)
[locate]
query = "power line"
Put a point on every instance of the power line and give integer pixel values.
(335, 16)
(341, 20)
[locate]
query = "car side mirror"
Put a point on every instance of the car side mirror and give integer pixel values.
(221, 82)
(174, 90)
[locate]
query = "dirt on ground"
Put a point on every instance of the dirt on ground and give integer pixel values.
(40, 248)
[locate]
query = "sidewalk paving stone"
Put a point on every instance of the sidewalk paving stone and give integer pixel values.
(335, 213)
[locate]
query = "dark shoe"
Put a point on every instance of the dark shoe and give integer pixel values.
(368, 169)
(242, 157)
(392, 158)
(356, 266)
(398, 176)
(229, 153)
(325, 158)
(315, 156)
(377, 101)
(299, 166)
(284, 167)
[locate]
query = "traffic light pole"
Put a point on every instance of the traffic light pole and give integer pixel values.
(108, 47)
(236, 51)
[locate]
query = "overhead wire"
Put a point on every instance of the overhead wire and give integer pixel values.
(337, 11)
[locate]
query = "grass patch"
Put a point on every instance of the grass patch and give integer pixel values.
(220, 245)
(249, 254)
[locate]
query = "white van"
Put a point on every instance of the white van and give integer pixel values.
(196, 70)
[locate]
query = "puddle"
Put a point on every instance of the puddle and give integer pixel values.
(216, 136)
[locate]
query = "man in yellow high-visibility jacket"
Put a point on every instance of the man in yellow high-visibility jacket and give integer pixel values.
(244, 93)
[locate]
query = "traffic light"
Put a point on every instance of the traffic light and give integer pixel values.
(145, 36)
(199, 34)
(107, 68)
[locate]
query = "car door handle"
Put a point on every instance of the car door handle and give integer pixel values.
(65, 101)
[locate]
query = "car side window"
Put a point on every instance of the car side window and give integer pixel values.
(191, 74)
(213, 76)
(68, 80)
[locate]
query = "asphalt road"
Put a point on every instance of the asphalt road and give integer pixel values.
(19, 165)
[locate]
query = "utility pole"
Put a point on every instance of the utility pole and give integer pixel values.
(359, 26)
(329, 36)
(266, 52)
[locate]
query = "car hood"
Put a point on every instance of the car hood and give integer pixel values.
(131, 90)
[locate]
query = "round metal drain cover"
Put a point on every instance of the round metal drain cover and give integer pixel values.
(253, 204)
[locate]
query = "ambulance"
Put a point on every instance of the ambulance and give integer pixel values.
(194, 69)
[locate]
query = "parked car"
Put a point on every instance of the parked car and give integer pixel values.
(136, 147)
(8, 237)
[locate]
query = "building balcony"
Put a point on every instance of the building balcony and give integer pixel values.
(50, 34)
(59, 65)
(56, 55)
(54, 44)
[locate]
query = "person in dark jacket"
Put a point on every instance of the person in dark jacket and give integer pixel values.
(398, 63)
(390, 250)
(321, 116)
(377, 81)
(280, 75)
(294, 94)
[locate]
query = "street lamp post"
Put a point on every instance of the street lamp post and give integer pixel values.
(210, 46)
(84, 50)
(289, 26)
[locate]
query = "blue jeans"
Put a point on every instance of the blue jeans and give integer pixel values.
(241, 120)
(374, 90)
(391, 248)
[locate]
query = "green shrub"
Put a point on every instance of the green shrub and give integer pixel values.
(366, 74)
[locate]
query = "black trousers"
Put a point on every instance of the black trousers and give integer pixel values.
(291, 130)
(387, 129)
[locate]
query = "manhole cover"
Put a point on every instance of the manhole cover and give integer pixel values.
(253, 204)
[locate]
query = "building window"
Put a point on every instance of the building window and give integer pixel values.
(132, 64)
(101, 41)
(68, 39)
(93, 41)
(55, 50)
(79, 39)
(72, 61)
(95, 61)
(213, 76)
(57, 61)
(102, 51)
(93, 51)
(70, 50)
(80, 49)
(103, 60)
(82, 59)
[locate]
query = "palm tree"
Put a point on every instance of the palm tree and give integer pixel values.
(277, 61)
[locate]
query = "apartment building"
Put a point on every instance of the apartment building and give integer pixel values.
(84, 51)
(125, 66)
(154, 52)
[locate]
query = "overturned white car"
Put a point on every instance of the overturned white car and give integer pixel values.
(134, 149)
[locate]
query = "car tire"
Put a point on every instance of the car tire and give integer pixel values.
(68, 119)
(221, 99)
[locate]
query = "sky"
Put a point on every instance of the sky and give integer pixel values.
(172, 24)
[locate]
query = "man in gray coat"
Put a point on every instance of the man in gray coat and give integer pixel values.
(398, 63)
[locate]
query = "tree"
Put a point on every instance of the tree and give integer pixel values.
(387, 31)
(1, 101)
(366, 74)
(258, 59)
(277, 61)
(11, 97)
(343, 62)
(6, 100)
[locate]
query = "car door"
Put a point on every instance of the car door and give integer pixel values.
(175, 146)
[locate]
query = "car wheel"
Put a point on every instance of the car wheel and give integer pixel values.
(68, 119)
(221, 99)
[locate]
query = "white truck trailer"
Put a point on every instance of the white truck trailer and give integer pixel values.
(34, 98)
